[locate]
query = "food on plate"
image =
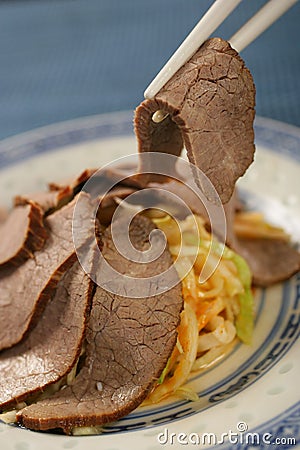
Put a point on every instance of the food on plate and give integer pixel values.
(76, 356)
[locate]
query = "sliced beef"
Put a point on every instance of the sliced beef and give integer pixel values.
(210, 105)
(129, 341)
(48, 201)
(109, 203)
(184, 193)
(270, 260)
(22, 234)
(126, 176)
(75, 184)
(111, 198)
(157, 197)
(54, 345)
(25, 290)
(58, 195)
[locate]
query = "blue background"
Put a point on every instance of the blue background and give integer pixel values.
(62, 59)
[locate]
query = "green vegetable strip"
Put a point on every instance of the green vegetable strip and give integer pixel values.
(245, 319)
(164, 373)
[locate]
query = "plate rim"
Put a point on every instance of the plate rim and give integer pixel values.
(84, 129)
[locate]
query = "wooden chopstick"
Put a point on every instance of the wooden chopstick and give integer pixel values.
(216, 14)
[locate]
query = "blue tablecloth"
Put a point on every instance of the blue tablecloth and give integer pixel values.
(62, 59)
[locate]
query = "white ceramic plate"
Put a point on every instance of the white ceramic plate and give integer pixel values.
(254, 389)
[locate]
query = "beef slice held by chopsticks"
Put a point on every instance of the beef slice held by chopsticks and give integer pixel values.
(25, 290)
(129, 341)
(209, 104)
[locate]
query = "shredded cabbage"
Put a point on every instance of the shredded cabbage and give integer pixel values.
(218, 309)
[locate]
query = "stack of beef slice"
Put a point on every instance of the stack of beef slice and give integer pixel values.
(55, 320)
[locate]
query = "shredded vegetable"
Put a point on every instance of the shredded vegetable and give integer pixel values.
(216, 312)
(251, 224)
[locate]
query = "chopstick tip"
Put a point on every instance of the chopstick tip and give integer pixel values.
(148, 93)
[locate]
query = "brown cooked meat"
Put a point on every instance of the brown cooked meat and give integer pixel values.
(109, 203)
(270, 260)
(53, 346)
(22, 234)
(129, 341)
(25, 290)
(48, 201)
(210, 102)
(75, 183)
(58, 195)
